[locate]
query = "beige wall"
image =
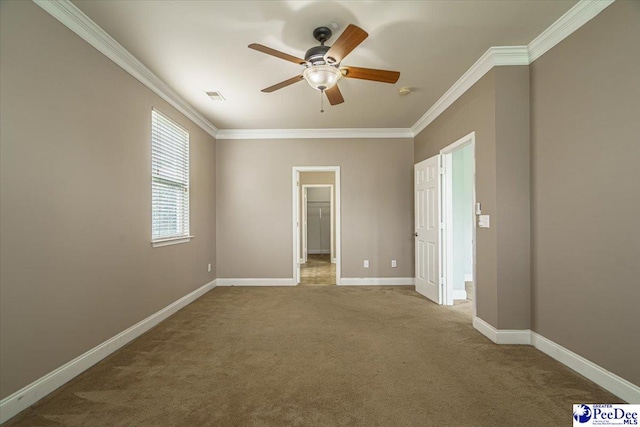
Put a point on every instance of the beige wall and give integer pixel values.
(376, 204)
(76, 265)
(473, 112)
(513, 194)
(586, 191)
(496, 108)
(309, 178)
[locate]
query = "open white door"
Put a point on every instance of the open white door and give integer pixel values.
(427, 226)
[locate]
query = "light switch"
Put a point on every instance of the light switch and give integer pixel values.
(483, 221)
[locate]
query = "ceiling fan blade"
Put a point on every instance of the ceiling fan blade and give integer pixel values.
(334, 95)
(285, 83)
(350, 38)
(276, 53)
(384, 76)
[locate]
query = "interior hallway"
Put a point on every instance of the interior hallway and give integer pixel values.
(318, 271)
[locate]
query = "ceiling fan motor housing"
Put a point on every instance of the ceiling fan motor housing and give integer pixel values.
(315, 55)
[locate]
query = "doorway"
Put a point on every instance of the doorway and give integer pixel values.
(445, 225)
(316, 225)
(318, 259)
(459, 220)
(318, 231)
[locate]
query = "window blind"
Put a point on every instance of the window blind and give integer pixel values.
(169, 179)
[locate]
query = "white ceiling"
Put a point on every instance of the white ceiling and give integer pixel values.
(200, 46)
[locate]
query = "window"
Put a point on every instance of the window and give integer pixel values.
(169, 181)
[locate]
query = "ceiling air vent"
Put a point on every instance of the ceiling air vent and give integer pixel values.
(216, 96)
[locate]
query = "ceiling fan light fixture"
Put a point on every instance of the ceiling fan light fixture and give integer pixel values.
(322, 77)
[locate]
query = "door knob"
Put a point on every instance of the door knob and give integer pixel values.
(415, 234)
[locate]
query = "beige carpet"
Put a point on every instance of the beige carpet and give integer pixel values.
(318, 356)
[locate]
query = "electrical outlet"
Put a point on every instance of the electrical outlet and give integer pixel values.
(209, 268)
(366, 263)
(394, 263)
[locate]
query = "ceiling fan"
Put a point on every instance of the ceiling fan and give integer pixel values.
(322, 63)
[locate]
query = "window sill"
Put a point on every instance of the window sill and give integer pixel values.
(170, 241)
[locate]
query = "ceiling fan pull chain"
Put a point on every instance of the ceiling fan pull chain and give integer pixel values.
(322, 101)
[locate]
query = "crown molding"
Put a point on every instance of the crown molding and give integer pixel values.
(574, 18)
(74, 19)
(344, 133)
(493, 57)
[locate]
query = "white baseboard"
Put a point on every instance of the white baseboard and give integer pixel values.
(605, 379)
(468, 277)
(333, 260)
(27, 396)
(377, 281)
(502, 336)
(459, 294)
(318, 252)
(256, 282)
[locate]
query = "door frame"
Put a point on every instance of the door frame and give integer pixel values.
(447, 215)
(296, 217)
(303, 217)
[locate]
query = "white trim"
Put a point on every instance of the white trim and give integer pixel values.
(27, 396)
(605, 379)
(470, 138)
(297, 226)
(574, 18)
(484, 328)
(494, 56)
(314, 133)
(459, 294)
(74, 19)
(319, 252)
(377, 281)
(468, 277)
(170, 241)
(256, 282)
(446, 155)
(446, 236)
(333, 260)
(302, 226)
(502, 336)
